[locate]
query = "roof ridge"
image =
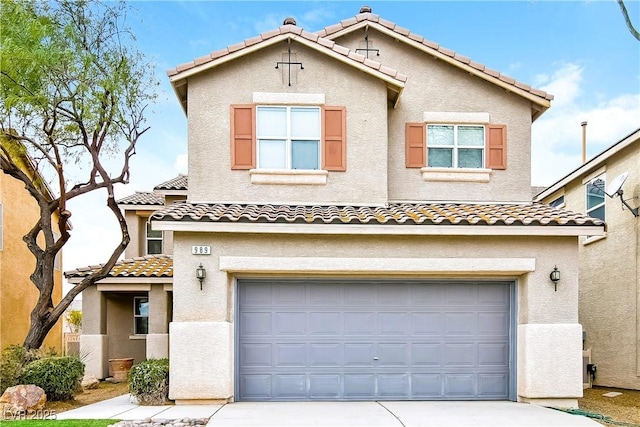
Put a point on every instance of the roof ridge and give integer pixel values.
(291, 30)
(373, 18)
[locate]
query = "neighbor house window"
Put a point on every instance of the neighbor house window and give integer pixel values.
(154, 241)
(288, 137)
(558, 202)
(140, 315)
(595, 197)
(455, 146)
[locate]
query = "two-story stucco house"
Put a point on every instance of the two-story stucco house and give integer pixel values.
(18, 296)
(609, 264)
(127, 314)
(358, 226)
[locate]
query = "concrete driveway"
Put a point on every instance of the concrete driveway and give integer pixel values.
(340, 414)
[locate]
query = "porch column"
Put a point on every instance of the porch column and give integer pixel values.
(94, 345)
(158, 336)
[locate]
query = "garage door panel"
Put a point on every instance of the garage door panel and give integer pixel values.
(325, 386)
(289, 323)
(373, 340)
(325, 355)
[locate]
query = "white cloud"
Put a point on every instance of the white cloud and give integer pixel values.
(181, 164)
(557, 135)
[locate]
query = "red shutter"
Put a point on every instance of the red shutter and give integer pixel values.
(496, 146)
(415, 145)
(243, 137)
(334, 139)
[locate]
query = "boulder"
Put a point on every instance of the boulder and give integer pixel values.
(22, 399)
(90, 382)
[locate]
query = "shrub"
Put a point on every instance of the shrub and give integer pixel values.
(57, 376)
(149, 381)
(13, 360)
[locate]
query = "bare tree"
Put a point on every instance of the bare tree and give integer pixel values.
(74, 90)
(630, 26)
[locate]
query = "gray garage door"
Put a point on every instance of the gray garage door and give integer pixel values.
(373, 340)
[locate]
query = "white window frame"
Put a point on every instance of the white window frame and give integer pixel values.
(588, 209)
(147, 239)
(139, 316)
(288, 138)
(455, 147)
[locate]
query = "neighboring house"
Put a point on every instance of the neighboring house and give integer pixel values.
(609, 264)
(359, 226)
(126, 315)
(18, 295)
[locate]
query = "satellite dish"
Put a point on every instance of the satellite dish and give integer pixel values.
(614, 187)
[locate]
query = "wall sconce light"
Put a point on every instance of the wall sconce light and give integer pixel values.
(555, 277)
(201, 273)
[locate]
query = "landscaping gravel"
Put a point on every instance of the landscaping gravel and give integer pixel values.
(148, 422)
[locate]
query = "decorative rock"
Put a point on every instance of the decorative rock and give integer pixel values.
(160, 422)
(90, 382)
(22, 399)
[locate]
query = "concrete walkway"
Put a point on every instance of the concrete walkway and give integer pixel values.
(340, 414)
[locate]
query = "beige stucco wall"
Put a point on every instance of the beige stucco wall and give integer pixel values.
(18, 295)
(538, 303)
(609, 277)
(120, 327)
(211, 93)
(138, 232)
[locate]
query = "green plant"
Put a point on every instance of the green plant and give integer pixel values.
(149, 381)
(74, 319)
(57, 376)
(13, 360)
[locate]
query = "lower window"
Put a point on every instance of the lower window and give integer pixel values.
(140, 315)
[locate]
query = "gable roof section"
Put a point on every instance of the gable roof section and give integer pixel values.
(147, 267)
(177, 185)
(141, 200)
(595, 162)
(178, 76)
(414, 218)
(539, 98)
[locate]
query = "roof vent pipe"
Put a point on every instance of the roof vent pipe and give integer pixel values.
(289, 21)
(365, 9)
(584, 142)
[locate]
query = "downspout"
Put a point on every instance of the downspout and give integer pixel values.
(584, 142)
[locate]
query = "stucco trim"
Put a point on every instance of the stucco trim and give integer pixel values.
(401, 230)
(456, 117)
(455, 174)
(476, 266)
(288, 98)
(288, 177)
(115, 287)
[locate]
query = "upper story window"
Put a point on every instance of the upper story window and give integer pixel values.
(154, 241)
(558, 202)
(455, 146)
(596, 197)
(288, 137)
(140, 315)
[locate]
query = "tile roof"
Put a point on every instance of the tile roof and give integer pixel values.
(393, 214)
(142, 198)
(403, 32)
(178, 183)
(296, 32)
(147, 266)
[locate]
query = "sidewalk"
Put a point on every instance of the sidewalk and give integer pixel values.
(341, 414)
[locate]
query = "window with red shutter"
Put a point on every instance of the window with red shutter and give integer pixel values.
(243, 137)
(415, 145)
(334, 139)
(496, 146)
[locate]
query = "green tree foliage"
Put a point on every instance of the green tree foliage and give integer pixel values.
(73, 94)
(74, 319)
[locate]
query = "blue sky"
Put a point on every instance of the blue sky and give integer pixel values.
(579, 51)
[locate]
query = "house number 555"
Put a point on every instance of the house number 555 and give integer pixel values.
(201, 250)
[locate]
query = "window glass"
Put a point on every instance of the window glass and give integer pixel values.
(288, 138)
(466, 142)
(471, 135)
(557, 202)
(440, 135)
(272, 154)
(440, 158)
(154, 241)
(304, 154)
(469, 158)
(272, 122)
(596, 198)
(140, 315)
(305, 123)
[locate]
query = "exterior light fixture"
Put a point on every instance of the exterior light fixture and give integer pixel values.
(201, 273)
(555, 277)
